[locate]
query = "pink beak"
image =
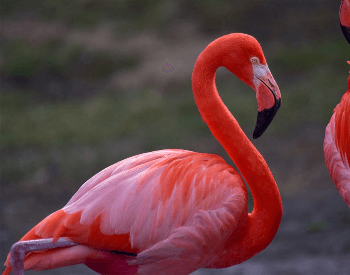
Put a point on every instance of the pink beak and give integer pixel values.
(268, 96)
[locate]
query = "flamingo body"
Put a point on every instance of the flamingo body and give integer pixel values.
(174, 211)
(337, 146)
(159, 201)
(344, 16)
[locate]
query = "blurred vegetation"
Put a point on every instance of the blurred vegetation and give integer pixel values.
(316, 226)
(127, 15)
(33, 66)
(282, 18)
(313, 80)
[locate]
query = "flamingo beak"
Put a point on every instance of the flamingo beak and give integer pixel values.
(344, 16)
(268, 96)
(346, 32)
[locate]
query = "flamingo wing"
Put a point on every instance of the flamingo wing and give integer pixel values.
(337, 147)
(175, 209)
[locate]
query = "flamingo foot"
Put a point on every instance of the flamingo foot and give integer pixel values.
(20, 249)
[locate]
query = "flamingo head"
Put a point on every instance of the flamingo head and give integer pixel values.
(245, 58)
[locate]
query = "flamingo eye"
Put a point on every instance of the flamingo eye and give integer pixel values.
(255, 60)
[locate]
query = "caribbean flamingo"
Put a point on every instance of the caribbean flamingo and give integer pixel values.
(173, 211)
(344, 15)
(336, 146)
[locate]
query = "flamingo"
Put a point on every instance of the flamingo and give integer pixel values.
(336, 146)
(173, 211)
(344, 15)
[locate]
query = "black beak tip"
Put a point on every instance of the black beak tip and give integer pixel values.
(346, 32)
(259, 128)
(264, 119)
(257, 134)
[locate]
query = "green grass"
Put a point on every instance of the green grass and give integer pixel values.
(330, 53)
(317, 226)
(103, 117)
(22, 60)
(127, 15)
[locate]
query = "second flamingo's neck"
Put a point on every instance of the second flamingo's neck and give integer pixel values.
(265, 218)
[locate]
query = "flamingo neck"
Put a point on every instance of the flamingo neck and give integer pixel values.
(263, 221)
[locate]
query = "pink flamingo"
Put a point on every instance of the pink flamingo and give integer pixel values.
(173, 211)
(344, 15)
(336, 146)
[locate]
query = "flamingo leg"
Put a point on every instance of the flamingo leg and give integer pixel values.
(20, 249)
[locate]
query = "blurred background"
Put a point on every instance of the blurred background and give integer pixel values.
(83, 86)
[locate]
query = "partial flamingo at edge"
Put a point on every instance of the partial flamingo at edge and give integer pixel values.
(337, 146)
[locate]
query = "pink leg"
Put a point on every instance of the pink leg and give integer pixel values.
(20, 249)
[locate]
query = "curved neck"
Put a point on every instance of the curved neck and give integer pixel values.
(265, 218)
